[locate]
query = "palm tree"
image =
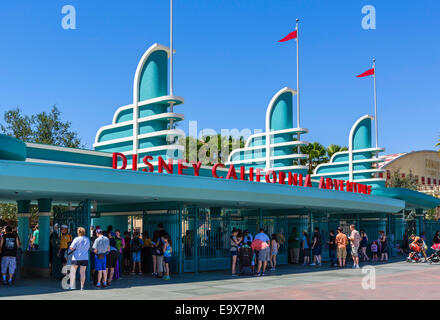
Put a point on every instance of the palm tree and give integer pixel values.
(316, 153)
(333, 148)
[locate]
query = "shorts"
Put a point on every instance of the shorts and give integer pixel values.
(136, 256)
(82, 263)
(9, 263)
(112, 257)
(100, 264)
(167, 259)
(354, 251)
(233, 253)
(341, 253)
(264, 255)
(316, 250)
(62, 257)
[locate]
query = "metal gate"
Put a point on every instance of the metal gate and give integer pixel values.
(170, 220)
(80, 217)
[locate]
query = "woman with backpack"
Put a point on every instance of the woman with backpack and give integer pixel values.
(136, 246)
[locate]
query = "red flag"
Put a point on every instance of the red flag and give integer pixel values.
(290, 36)
(366, 73)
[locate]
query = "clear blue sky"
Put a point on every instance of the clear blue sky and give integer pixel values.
(229, 64)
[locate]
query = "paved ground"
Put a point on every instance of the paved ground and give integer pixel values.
(394, 280)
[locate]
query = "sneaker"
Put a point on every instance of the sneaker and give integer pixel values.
(262, 273)
(5, 281)
(235, 275)
(139, 273)
(258, 274)
(357, 266)
(313, 264)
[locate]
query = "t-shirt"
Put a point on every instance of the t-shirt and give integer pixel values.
(234, 246)
(167, 252)
(341, 240)
(374, 248)
(112, 242)
(304, 239)
(36, 236)
(356, 238)
(9, 245)
(332, 242)
(119, 243)
(127, 244)
(101, 245)
(140, 244)
(248, 238)
(317, 236)
(82, 247)
(64, 240)
(294, 240)
(262, 236)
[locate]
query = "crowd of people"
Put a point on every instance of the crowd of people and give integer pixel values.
(264, 251)
(111, 255)
(341, 247)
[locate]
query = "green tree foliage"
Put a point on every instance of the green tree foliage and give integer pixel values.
(210, 148)
(398, 181)
(8, 212)
(411, 224)
(46, 128)
(316, 155)
(334, 148)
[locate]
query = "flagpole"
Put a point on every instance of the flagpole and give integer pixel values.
(171, 47)
(171, 62)
(375, 100)
(297, 82)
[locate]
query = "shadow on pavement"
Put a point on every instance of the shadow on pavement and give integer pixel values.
(36, 286)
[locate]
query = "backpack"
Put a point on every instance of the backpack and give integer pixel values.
(136, 246)
(159, 248)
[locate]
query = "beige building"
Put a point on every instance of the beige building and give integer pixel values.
(424, 165)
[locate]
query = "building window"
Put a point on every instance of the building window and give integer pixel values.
(403, 175)
(434, 181)
(429, 180)
(388, 174)
(380, 174)
(417, 179)
(423, 180)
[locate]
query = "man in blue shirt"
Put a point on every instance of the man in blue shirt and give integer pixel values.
(264, 253)
(247, 239)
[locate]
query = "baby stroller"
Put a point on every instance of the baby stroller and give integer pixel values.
(415, 254)
(435, 257)
(245, 259)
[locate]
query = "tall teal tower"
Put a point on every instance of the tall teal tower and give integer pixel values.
(276, 148)
(359, 163)
(147, 126)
